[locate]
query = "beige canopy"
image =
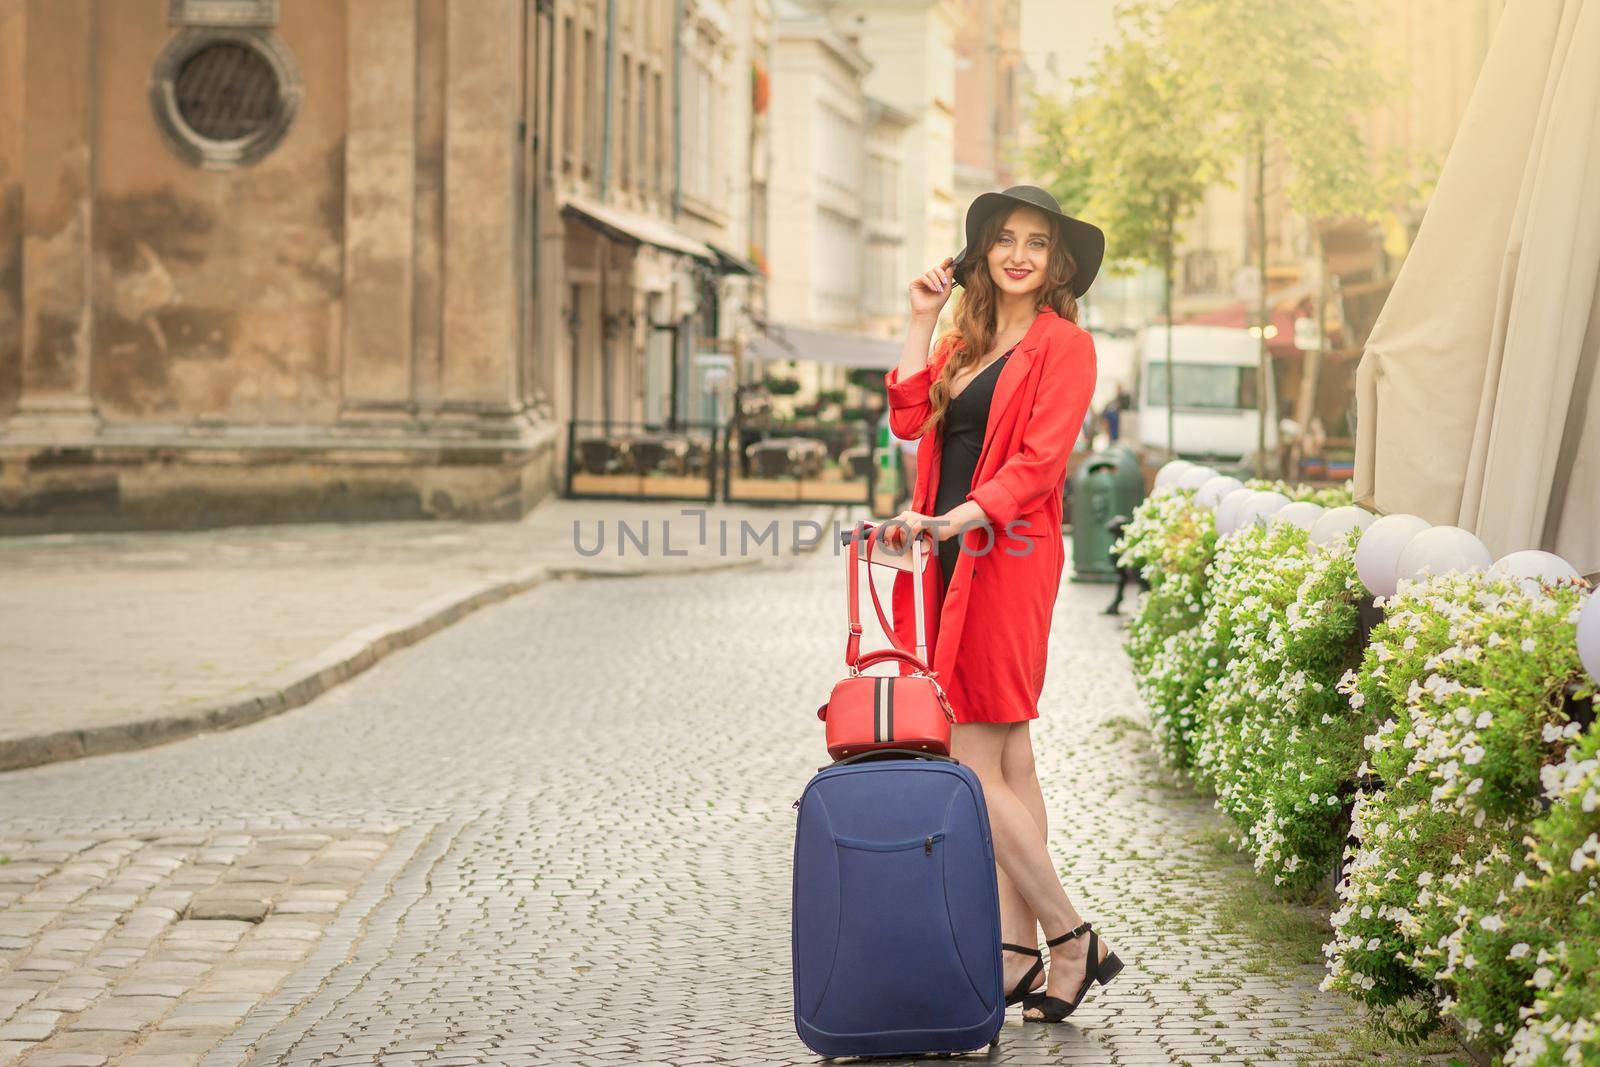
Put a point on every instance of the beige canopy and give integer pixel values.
(1476, 399)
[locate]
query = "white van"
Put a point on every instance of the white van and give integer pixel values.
(1214, 376)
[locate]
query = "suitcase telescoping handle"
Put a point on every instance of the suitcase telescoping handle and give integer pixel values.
(870, 533)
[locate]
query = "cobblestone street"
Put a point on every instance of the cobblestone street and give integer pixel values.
(559, 832)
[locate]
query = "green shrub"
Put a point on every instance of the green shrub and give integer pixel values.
(1465, 677)
(1170, 540)
(1522, 960)
(1277, 742)
(1469, 889)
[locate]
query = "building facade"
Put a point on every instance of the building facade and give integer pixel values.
(912, 47)
(264, 260)
(989, 77)
(260, 260)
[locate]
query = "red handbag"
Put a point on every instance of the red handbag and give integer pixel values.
(867, 712)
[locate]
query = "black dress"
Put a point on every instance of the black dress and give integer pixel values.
(965, 421)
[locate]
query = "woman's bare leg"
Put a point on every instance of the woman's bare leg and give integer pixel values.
(1018, 925)
(1021, 852)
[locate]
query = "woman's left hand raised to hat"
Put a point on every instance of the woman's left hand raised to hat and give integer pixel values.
(931, 289)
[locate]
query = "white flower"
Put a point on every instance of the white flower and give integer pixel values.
(1519, 950)
(1543, 978)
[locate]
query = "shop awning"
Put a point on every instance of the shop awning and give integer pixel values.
(622, 224)
(729, 263)
(1283, 308)
(839, 347)
(1477, 395)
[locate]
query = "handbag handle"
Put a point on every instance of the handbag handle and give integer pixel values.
(881, 655)
(899, 753)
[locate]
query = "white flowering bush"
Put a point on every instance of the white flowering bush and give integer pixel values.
(1469, 888)
(1532, 933)
(1277, 742)
(1257, 706)
(1465, 677)
(1250, 579)
(1170, 540)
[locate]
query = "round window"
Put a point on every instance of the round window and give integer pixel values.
(226, 92)
(224, 97)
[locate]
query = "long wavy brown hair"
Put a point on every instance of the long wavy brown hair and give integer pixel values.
(974, 331)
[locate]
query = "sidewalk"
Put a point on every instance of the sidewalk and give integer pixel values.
(110, 642)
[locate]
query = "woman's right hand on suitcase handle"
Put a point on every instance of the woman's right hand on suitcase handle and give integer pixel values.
(894, 532)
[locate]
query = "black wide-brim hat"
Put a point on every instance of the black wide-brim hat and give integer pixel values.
(1084, 240)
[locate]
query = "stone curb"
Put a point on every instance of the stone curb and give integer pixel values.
(299, 683)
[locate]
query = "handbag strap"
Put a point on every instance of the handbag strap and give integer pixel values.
(852, 654)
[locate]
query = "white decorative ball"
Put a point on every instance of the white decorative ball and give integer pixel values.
(1544, 567)
(1378, 554)
(1260, 507)
(1228, 510)
(1442, 550)
(1333, 524)
(1589, 635)
(1211, 494)
(1195, 477)
(1170, 472)
(1301, 513)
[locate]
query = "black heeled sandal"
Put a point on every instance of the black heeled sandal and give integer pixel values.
(1024, 986)
(1095, 970)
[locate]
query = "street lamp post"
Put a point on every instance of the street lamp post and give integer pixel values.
(1262, 379)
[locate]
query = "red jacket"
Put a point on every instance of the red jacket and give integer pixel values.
(996, 607)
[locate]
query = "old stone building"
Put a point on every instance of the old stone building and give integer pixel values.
(281, 259)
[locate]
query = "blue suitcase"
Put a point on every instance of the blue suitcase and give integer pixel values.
(896, 920)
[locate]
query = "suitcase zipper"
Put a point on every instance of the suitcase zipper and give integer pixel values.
(891, 846)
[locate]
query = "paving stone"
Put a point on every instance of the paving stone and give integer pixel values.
(118, 1019)
(63, 1003)
(170, 969)
(152, 989)
(243, 909)
(242, 981)
(30, 1026)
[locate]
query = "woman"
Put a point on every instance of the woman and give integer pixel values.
(991, 467)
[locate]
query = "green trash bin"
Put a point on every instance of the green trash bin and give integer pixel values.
(1109, 484)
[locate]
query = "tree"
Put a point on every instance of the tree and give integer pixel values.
(1131, 152)
(1296, 75)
